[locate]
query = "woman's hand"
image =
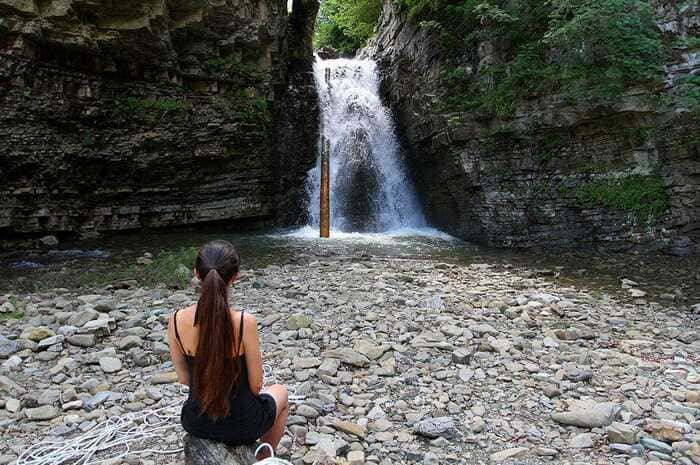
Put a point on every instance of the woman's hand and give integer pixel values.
(253, 358)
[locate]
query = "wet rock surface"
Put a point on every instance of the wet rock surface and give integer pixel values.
(395, 361)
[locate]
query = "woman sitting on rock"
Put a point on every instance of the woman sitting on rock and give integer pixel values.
(216, 351)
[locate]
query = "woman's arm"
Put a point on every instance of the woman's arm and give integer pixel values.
(253, 358)
(176, 355)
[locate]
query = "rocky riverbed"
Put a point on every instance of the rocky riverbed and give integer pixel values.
(395, 360)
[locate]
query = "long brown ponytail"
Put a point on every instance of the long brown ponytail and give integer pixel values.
(216, 372)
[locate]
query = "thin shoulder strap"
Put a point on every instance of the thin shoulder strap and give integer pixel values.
(240, 334)
(177, 333)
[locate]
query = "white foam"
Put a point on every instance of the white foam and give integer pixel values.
(390, 236)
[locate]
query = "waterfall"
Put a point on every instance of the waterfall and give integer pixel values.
(370, 190)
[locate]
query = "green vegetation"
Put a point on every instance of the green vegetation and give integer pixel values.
(172, 269)
(547, 148)
(17, 314)
(244, 107)
(688, 89)
(150, 109)
(88, 138)
(346, 25)
(643, 196)
(154, 104)
(587, 49)
(233, 68)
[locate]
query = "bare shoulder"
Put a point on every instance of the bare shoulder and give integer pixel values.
(186, 312)
(250, 323)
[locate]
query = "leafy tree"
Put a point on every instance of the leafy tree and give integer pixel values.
(346, 25)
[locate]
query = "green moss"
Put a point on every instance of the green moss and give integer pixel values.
(156, 104)
(244, 108)
(643, 196)
(88, 139)
(688, 94)
(150, 110)
(638, 135)
(17, 315)
(548, 147)
(593, 166)
(233, 68)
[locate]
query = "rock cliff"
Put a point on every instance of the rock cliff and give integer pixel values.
(134, 114)
(555, 172)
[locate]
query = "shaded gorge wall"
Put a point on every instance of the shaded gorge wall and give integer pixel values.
(152, 114)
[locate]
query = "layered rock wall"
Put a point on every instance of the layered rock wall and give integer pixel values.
(136, 114)
(518, 182)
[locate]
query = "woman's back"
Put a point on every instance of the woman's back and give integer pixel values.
(246, 410)
(216, 351)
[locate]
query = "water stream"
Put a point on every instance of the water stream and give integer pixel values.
(370, 191)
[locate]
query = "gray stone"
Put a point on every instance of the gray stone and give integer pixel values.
(99, 327)
(329, 367)
(307, 411)
(49, 341)
(12, 363)
(12, 405)
(49, 397)
(462, 356)
(110, 364)
(36, 334)
(348, 356)
(434, 427)
(45, 412)
(622, 433)
(80, 318)
(129, 342)
(298, 321)
(7, 346)
(306, 363)
(6, 384)
(49, 241)
(653, 444)
(582, 441)
(588, 414)
(82, 340)
(507, 454)
(369, 349)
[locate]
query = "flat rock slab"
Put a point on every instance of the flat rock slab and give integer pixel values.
(204, 452)
(588, 414)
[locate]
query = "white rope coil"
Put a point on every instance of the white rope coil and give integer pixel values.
(114, 436)
(120, 436)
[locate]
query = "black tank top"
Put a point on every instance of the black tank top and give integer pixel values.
(250, 415)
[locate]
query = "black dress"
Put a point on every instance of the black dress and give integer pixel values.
(250, 416)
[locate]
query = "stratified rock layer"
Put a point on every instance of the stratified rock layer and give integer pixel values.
(516, 182)
(150, 114)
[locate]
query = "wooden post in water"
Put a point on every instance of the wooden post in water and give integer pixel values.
(325, 188)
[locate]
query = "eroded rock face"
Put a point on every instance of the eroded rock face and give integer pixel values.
(516, 182)
(146, 114)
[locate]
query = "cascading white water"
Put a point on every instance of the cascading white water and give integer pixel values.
(370, 190)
